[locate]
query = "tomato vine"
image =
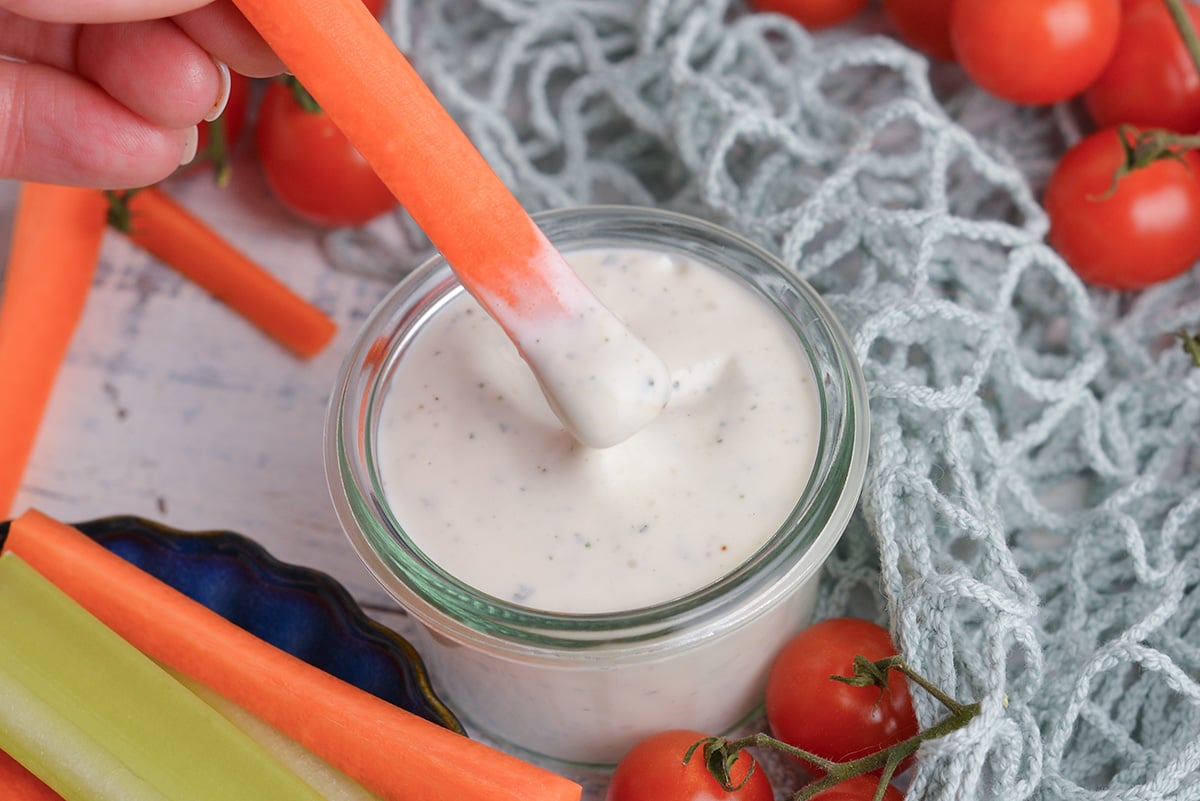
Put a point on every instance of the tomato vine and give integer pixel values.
(1190, 344)
(719, 753)
(1188, 31)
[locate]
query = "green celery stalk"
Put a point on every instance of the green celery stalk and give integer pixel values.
(331, 783)
(52, 748)
(120, 698)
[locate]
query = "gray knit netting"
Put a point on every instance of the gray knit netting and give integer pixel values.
(1031, 518)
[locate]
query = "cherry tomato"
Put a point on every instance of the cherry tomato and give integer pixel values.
(1128, 6)
(311, 167)
(813, 14)
(653, 770)
(858, 788)
(1142, 230)
(1034, 52)
(1150, 81)
(832, 719)
(376, 7)
(923, 24)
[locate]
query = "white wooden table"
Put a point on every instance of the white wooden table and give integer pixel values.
(171, 407)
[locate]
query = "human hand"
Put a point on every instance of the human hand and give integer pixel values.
(108, 93)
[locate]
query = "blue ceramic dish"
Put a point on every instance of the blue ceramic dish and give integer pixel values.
(303, 611)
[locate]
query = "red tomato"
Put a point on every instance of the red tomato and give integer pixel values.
(1128, 6)
(832, 719)
(1034, 52)
(376, 7)
(311, 167)
(653, 770)
(858, 788)
(1145, 231)
(813, 14)
(1151, 80)
(924, 24)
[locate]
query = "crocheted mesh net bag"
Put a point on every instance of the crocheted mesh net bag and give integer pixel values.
(1031, 515)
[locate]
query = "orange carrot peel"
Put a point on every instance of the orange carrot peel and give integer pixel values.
(56, 240)
(391, 752)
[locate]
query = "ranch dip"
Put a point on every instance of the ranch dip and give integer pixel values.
(600, 379)
(481, 475)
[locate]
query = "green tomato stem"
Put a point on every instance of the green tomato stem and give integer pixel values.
(1143, 148)
(119, 216)
(302, 96)
(1184, 23)
(898, 663)
(217, 150)
(1190, 342)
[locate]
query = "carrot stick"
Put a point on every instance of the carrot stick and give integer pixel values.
(56, 240)
(21, 785)
(185, 243)
(391, 752)
(342, 56)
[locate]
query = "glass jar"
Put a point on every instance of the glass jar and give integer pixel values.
(582, 688)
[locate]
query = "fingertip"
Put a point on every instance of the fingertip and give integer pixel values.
(191, 144)
(224, 86)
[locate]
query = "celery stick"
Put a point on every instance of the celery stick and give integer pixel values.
(117, 696)
(330, 782)
(52, 748)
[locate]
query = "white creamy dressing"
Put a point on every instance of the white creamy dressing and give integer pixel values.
(599, 378)
(485, 480)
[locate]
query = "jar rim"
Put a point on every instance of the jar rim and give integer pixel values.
(796, 550)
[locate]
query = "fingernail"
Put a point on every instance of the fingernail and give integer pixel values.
(191, 144)
(222, 93)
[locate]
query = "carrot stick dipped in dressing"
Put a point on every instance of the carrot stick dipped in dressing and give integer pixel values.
(395, 754)
(56, 240)
(183, 242)
(601, 380)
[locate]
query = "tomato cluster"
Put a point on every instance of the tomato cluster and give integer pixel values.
(1124, 203)
(307, 162)
(807, 708)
